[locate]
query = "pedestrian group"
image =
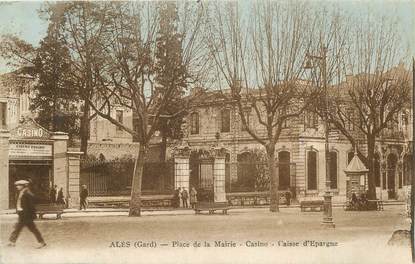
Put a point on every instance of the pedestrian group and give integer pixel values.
(181, 197)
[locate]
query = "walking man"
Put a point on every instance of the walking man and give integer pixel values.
(61, 198)
(83, 195)
(26, 212)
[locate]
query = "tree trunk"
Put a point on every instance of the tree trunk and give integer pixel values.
(84, 130)
(273, 174)
(135, 203)
(370, 162)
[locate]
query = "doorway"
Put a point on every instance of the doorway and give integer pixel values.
(284, 170)
(40, 175)
(201, 175)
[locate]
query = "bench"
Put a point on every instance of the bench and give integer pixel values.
(312, 205)
(211, 207)
(42, 209)
(376, 204)
(369, 205)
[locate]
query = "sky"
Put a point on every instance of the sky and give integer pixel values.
(22, 19)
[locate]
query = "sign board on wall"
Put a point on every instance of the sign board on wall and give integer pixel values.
(30, 150)
(29, 129)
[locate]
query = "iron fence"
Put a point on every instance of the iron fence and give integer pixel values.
(114, 178)
(241, 177)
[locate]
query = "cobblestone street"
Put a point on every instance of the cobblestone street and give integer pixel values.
(151, 238)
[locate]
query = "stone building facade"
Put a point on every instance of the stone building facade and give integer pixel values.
(300, 151)
(31, 152)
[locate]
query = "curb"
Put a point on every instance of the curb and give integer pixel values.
(154, 212)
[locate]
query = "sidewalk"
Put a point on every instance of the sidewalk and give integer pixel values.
(69, 213)
(92, 212)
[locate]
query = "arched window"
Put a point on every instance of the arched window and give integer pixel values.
(225, 115)
(312, 170)
(284, 170)
(333, 170)
(247, 173)
(194, 123)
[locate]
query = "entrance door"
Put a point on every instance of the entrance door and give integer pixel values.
(39, 175)
(205, 192)
(391, 176)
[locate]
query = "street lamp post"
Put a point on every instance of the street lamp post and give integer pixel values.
(328, 216)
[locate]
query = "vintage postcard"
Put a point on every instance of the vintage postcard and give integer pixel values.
(206, 131)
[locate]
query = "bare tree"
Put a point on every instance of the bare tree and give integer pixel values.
(261, 59)
(130, 76)
(375, 91)
(80, 26)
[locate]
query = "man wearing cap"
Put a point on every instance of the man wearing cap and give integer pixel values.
(83, 196)
(25, 208)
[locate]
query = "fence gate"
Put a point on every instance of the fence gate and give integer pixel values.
(201, 177)
(114, 178)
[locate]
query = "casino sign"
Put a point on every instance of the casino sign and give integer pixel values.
(29, 129)
(33, 153)
(30, 141)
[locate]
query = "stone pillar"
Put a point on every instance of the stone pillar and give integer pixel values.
(219, 174)
(181, 166)
(4, 169)
(73, 184)
(60, 162)
(219, 179)
(181, 172)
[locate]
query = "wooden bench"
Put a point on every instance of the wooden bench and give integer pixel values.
(313, 205)
(369, 205)
(42, 209)
(211, 207)
(378, 204)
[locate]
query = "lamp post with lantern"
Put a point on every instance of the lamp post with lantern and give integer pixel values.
(322, 59)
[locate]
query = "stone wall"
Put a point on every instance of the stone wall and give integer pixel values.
(101, 129)
(112, 150)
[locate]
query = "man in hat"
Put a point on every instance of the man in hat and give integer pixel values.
(83, 195)
(25, 207)
(52, 194)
